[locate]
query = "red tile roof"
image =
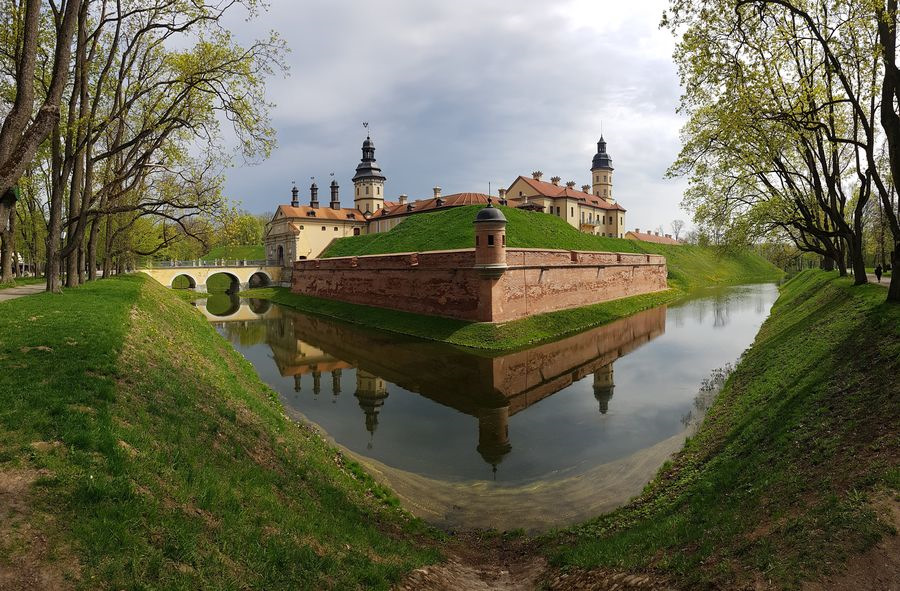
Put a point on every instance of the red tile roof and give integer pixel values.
(648, 237)
(552, 191)
(420, 205)
(321, 213)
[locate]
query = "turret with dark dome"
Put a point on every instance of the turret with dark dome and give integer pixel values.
(368, 182)
(367, 167)
(602, 173)
(602, 160)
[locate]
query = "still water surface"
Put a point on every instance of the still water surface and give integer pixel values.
(536, 438)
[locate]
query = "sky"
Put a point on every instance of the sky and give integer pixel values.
(468, 95)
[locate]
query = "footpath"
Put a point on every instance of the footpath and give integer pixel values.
(885, 281)
(11, 293)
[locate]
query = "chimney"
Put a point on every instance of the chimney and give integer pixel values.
(656, 233)
(335, 197)
(437, 192)
(668, 235)
(571, 184)
(295, 199)
(555, 180)
(402, 198)
(637, 230)
(585, 188)
(313, 196)
(536, 175)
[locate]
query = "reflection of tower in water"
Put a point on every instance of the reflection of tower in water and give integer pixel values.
(317, 381)
(493, 435)
(371, 392)
(335, 384)
(604, 384)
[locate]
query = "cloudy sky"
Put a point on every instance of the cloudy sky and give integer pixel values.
(465, 93)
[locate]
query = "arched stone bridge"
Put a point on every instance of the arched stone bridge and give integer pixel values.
(198, 272)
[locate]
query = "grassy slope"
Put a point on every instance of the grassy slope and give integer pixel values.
(778, 479)
(254, 252)
(689, 266)
(23, 281)
(163, 461)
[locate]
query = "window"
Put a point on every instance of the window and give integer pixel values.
(572, 210)
(378, 189)
(557, 212)
(597, 193)
(367, 189)
(335, 228)
(604, 178)
(596, 178)
(301, 227)
(476, 240)
(356, 231)
(490, 240)
(377, 206)
(357, 191)
(323, 228)
(503, 239)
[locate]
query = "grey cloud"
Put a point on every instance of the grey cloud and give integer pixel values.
(465, 93)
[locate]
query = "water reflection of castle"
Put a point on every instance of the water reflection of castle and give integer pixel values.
(491, 390)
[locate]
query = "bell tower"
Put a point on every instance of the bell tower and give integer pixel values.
(368, 182)
(602, 173)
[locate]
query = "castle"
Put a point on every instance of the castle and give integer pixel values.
(298, 232)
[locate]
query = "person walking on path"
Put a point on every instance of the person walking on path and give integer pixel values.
(878, 273)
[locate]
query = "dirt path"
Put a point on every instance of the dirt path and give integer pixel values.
(491, 563)
(885, 281)
(11, 293)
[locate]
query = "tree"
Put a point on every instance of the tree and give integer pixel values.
(22, 131)
(140, 137)
(773, 145)
(677, 226)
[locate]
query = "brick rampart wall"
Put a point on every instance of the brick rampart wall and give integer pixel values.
(446, 283)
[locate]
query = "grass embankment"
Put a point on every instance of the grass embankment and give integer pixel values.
(690, 267)
(778, 483)
(250, 252)
(23, 281)
(139, 450)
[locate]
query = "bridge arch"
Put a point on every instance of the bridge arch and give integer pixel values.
(259, 279)
(223, 281)
(183, 281)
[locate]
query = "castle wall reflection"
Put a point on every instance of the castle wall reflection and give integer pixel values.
(546, 412)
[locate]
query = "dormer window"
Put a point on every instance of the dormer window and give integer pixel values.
(311, 213)
(350, 216)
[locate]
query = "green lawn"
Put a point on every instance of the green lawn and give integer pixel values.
(690, 267)
(149, 455)
(254, 252)
(778, 483)
(24, 281)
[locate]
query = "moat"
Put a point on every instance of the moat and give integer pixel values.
(537, 438)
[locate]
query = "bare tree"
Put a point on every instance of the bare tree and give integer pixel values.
(677, 226)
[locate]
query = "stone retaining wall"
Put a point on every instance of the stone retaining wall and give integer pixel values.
(447, 283)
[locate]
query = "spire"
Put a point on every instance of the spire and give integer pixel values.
(601, 160)
(367, 167)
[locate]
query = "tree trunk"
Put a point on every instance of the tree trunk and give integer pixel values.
(827, 263)
(92, 249)
(54, 226)
(6, 251)
(894, 287)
